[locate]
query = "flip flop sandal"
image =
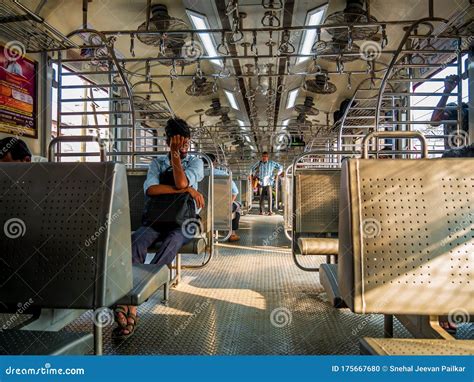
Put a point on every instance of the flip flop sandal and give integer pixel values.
(118, 334)
(120, 310)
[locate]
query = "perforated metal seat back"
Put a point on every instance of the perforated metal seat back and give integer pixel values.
(287, 203)
(406, 236)
(222, 202)
(317, 201)
(136, 195)
(63, 234)
(244, 192)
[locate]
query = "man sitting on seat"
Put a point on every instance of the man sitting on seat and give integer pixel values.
(451, 140)
(185, 172)
(13, 149)
(235, 205)
(463, 152)
(265, 171)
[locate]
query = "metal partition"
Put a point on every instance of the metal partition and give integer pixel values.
(287, 202)
(223, 204)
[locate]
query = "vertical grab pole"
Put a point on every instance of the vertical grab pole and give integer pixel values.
(459, 101)
(59, 100)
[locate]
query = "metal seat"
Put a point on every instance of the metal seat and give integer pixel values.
(315, 213)
(29, 342)
(407, 246)
(52, 209)
(147, 279)
(399, 346)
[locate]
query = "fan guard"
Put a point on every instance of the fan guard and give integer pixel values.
(354, 13)
(170, 45)
(161, 21)
(217, 109)
(307, 107)
(320, 85)
(199, 88)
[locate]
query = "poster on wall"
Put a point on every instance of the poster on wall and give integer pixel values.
(17, 94)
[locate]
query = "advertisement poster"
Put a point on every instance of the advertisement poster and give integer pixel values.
(17, 94)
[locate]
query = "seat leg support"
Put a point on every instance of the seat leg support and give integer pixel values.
(166, 293)
(388, 325)
(98, 345)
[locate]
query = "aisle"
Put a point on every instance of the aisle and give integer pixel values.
(251, 299)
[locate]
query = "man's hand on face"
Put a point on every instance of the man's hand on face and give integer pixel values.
(176, 143)
(179, 146)
(450, 82)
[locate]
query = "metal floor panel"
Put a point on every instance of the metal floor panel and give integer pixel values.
(251, 299)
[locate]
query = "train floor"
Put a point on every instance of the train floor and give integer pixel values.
(250, 299)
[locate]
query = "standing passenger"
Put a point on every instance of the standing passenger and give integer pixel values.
(174, 173)
(265, 170)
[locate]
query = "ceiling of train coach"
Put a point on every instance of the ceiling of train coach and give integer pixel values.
(261, 101)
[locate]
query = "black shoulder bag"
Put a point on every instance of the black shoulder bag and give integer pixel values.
(168, 211)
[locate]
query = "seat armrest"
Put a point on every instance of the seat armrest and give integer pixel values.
(318, 246)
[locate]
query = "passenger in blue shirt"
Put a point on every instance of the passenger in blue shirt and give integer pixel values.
(266, 171)
(182, 173)
(235, 205)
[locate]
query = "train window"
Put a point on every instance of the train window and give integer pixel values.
(71, 104)
(430, 101)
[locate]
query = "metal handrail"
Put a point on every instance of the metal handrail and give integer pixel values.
(394, 135)
(76, 139)
(392, 64)
(109, 43)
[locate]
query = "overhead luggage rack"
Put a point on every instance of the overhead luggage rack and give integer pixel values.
(22, 26)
